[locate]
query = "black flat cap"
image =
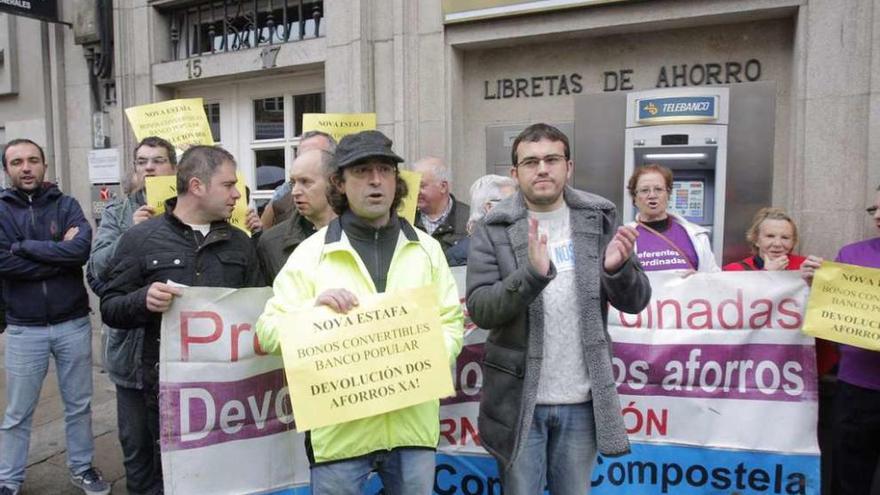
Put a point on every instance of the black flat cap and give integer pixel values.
(355, 148)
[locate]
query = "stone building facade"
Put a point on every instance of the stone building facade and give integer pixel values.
(440, 74)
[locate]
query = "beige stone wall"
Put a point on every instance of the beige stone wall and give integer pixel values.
(643, 53)
(836, 125)
(388, 57)
(425, 81)
(23, 113)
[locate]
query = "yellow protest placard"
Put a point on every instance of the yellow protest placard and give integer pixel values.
(161, 188)
(386, 354)
(338, 124)
(407, 208)
(181, 122)
(844, 305)
(158, 190)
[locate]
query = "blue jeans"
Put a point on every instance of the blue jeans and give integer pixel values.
(560, 450)
(403, 472)
(27, 361)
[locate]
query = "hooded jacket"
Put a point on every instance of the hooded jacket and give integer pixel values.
(42, 273)
(504, 295)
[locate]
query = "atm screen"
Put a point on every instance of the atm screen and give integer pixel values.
(688, 199)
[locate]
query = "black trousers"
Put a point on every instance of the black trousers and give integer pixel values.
(856, 439)
(137, 414)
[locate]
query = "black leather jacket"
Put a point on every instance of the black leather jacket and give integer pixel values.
(163, 249)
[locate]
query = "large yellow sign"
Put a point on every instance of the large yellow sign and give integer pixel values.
(386, 354)
(339, 125)
(183, 123)
(844, 305)
(161, 188)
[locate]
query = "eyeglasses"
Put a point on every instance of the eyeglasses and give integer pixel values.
(646, 191)
(156, 160)
(871, 210)
(532, 162)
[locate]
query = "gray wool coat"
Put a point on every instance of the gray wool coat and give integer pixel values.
(504, 296)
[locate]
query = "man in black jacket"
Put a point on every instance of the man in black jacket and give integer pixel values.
(309, 177)
(44, 242)
(153, 156)
(191, 244)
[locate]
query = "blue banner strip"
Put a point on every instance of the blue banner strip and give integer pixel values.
(649, 470)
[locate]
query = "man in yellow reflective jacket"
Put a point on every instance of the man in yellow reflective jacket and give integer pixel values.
(367, 249)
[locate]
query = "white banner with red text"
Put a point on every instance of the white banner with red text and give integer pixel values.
(718, 392)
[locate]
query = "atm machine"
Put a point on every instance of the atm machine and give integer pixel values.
(685, 131)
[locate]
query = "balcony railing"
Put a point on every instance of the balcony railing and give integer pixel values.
(208, 27)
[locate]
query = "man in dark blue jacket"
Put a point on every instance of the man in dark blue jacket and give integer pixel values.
(44, 242)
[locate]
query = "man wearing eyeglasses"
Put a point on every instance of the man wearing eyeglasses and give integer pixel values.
(855, 423)
(543, 267)
(153, 157)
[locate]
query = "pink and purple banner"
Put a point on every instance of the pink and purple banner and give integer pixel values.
(718, 393)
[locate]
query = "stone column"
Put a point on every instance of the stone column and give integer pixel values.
(834, 131)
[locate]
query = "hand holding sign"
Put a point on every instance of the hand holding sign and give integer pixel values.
(160, 296)
(143, 214)
(339, 300)
(386, 353)
(844, 305)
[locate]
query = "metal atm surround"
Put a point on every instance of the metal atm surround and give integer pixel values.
(643, 146)
(691, 163)
(600, 125)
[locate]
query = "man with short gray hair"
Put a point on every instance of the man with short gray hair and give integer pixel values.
(486, 192)
(153, 157)
(439, 213)
(191, 244)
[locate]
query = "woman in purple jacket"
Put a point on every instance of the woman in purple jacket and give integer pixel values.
(856, 414)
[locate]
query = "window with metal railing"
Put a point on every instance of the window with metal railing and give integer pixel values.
(209, 27)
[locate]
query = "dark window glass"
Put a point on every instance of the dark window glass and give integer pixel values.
(270, 168)
(212, 110)
(269, 118)
(210, 26)
(310, 103)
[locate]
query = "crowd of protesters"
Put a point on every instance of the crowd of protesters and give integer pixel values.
(332, 235)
